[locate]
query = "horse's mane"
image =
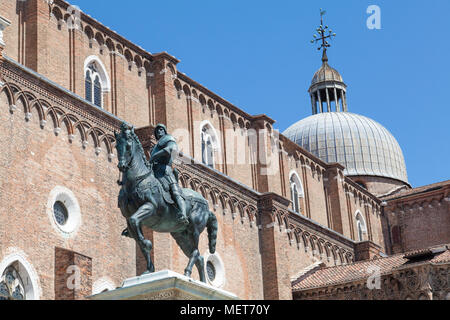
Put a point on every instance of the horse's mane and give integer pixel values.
(140, 149)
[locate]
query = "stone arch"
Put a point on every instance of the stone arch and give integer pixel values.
(6, 91)
(92, 137)
(128, 56)
(305, 241)
(213, 198)
(110, 45)
(222, 202)
(233, 119)
(202, 191)
(226, 113)
(100, 39)
(67, 123)
(138, 61)
(202, 101)
(148, 67)
(177, 85)
(106, 142)
(51, 114)
(21, 100)
(119, 49)
(219, 110)
(187, 91)
(89, 34)
(37, 112)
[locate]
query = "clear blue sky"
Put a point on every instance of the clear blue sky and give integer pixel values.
(258, 56)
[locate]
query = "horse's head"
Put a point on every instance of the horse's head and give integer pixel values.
(125, 146)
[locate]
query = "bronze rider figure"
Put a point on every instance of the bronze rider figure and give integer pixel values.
(162, 158)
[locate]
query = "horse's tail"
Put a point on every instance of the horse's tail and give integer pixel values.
(212, 228)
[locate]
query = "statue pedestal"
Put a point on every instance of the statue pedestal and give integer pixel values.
(164, 285)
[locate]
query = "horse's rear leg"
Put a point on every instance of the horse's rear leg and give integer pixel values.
(189, 245)
(195, 254)
(135, 223)
(200, 264)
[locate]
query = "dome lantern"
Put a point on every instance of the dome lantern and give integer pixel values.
(328, 91)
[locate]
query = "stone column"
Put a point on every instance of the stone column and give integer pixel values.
(328, 100)
(313, 104)
(344, 101)
(320, 101)
(336, 99)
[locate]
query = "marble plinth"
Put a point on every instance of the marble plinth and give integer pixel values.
(164, 285)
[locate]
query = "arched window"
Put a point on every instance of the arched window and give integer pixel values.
(207, 150)
(209, 144)
(296, 191)
(18, 279)
(96, 81)
(360, 225)
(93, 93)
(11, 284)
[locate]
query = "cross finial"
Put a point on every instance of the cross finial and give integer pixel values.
(324, 34)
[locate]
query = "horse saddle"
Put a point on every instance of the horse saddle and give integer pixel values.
(165, 193)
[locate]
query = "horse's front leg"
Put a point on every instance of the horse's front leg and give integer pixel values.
(135, 224)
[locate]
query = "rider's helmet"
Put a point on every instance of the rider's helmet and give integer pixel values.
(160, 126)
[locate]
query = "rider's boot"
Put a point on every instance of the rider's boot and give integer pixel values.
(182, 210)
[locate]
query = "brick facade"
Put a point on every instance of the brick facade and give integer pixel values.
(51, 136)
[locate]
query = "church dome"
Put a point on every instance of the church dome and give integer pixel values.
(360, 144)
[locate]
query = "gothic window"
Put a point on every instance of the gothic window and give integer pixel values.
(209, 144)
(93, 92)
(296, 192)
(11, 285)
(361, 226)
(96, 81)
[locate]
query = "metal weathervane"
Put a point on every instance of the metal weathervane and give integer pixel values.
(324, 34)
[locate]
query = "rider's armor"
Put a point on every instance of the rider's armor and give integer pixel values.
(162, 158)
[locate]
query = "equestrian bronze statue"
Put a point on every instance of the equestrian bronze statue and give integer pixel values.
(150, 196)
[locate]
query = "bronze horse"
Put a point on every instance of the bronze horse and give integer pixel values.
(142, 201)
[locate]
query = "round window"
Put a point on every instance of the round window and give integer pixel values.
(211, 271)
(64, 211)
(215, 270)
(60, 213)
